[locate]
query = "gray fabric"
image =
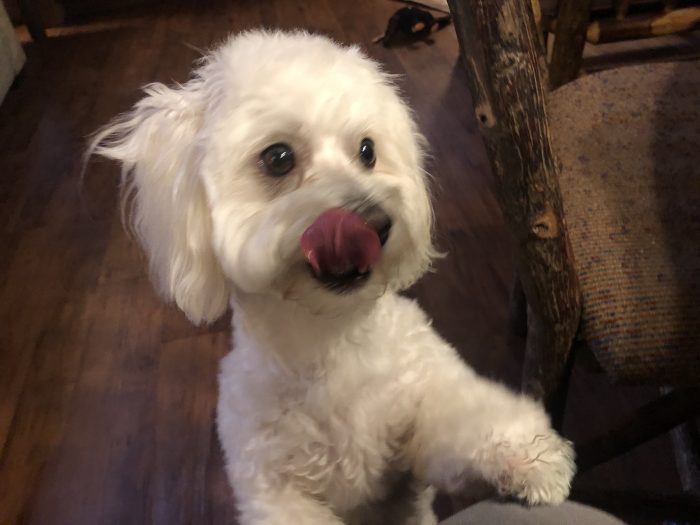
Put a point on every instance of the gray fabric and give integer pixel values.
(496, 513)
(627, 140)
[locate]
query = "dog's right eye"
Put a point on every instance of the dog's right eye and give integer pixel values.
(277, 160)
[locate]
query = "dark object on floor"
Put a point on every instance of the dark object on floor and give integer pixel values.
(410, 24)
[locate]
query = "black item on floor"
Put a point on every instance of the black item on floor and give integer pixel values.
(411, 24)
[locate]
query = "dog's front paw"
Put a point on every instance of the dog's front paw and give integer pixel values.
(537, 471)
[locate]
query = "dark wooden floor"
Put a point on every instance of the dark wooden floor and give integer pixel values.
(106, 395)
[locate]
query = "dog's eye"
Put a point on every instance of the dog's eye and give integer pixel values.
(277, 160)
(367, 156)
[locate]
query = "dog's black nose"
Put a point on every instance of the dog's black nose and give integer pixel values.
(379, 221)
(384, 231)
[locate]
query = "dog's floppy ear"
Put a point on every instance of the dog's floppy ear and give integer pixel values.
(156, 145)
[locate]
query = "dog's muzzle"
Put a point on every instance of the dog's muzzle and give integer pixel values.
(343, 245)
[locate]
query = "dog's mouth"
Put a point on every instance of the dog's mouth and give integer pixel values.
(342, 246)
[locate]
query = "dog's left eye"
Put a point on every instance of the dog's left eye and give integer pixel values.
(277, 160)
(367, 156)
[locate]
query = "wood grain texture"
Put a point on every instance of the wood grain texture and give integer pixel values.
(503, 59)
(643, 26)
(106, 394)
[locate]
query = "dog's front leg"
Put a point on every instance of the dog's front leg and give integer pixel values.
(469, 427)
(283, 506)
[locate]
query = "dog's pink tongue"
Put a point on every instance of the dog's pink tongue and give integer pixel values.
(340, 241)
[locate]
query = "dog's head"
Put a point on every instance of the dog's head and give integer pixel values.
(288, 164)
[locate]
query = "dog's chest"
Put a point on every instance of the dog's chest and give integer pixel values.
(344, 440)
(339, 435)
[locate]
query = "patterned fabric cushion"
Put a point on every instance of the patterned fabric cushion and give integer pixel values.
(629, 145)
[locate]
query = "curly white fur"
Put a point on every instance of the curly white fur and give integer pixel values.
(334, 408)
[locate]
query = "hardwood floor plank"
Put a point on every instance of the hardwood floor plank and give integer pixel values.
(26, 311)
(185, 406)
(106, 453)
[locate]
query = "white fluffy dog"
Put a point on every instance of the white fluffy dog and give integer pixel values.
(285, 178)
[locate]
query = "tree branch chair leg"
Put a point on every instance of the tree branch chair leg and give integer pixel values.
(654, 418)
(503, 56)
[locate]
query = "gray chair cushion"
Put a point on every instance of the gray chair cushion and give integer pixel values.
(495, 513)
(628, 141)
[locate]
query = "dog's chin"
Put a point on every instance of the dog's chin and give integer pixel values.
(344, 283)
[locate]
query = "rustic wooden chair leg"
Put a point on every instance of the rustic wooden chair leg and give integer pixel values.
(542, 378)
(502, 57)
(686, 447)
(32, 17)
(539, 23)
(621, 8)
(518, 308)
(654, 418)
(570, 38)
(555, 402)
